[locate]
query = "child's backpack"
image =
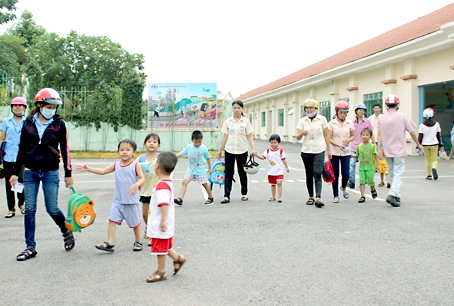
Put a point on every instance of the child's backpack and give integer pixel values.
(81, 212)
(146, 166)
(328, 172)
(217, 172)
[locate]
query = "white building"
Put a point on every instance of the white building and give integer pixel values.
(414, 61)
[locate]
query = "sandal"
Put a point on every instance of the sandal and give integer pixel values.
(105, 247)
(362, 200)
(22, 209)
(150, 243)
(272, 199)
(10, 214)
(310, 201)
(209, 201)
(373, 193)
(145, 233)
(178, 201)
(157, 277)
(26, 254)
(429, 177)
(180, 262)
(225, 200)
(388, 185)
(345, 193)
(244, 198)
(381, 184)
(319, 203)
(279, 200)
(137, 246)
(68, 238)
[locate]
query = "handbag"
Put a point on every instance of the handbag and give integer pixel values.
(328, 172)
(443, 154)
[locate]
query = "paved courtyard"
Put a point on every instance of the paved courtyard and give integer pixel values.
(249, 253)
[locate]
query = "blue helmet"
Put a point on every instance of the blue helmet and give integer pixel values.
(360, 106)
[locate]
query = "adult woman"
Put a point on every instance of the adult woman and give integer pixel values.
(340, 134)
(360, 123)
(10, 133)
(313, 130)
(430, 138)
(42, 134)
(237, 133)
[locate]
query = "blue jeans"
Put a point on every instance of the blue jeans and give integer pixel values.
(345, 168)
(396, 167)
(351, 175)
(50, 182)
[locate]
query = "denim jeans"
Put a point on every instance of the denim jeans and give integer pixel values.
(396, 167)
(313, 163)
(230, 170)
(345, 168)
(50, 182)
(352, 172)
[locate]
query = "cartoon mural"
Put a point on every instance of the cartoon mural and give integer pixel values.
(182, 105)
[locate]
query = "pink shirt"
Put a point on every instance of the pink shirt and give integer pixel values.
(392, 127)
(364, 123)
(340, 134)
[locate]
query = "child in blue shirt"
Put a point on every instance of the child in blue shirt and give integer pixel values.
(198, 168)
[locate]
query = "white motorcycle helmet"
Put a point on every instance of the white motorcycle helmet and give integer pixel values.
(251, 167)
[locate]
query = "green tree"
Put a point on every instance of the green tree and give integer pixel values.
(6, 7)
(27, 29)
(9, 62)
(131, 113)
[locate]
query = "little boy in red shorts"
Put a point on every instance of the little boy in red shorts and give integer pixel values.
(161, 218)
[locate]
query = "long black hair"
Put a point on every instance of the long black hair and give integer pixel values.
(239, 103)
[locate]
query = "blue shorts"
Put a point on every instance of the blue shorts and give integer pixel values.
(129, 212)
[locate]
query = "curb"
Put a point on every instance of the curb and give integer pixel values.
(113, 155)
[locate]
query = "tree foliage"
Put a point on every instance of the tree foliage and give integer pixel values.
(27, 29)
(6, 9)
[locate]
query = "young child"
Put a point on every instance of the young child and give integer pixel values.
(199, 166)
(151, 143)
(162, 218)
(383, 170)
(366, 152)
(128, 177)
(276, 163)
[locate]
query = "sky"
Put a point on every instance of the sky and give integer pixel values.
(240, 45)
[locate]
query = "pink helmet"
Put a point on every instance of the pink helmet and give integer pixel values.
(19, 101)
(341, 105)
(392, 99)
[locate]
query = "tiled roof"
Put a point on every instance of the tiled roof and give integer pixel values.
(422, 26)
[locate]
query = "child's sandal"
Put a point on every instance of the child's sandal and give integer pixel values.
(209, 201)
(177, 264)
(137, 246)
(279, 200)
(157, 277)
(272, 199)
(178, 201)
(381, 184)
(362, 200)
(374, 193)
(105, 247)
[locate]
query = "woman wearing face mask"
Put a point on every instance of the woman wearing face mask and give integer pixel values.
(313, 130)
(42, 140)
(340, 134)
(10, 134)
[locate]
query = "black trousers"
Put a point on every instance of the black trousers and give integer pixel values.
(230, 170)
(8, 168)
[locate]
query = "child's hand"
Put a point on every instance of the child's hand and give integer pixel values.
(163, 225)
(133, 189)
(209, 171)
(288, 170)
(81, 168)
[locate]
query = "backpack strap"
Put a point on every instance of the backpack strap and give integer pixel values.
(142, 158)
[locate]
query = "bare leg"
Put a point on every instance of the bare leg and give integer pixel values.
(273, 191)
(362, 188)
(111, 233)
(145, 208)
(387, 178)
(184, 186)
(137, 233)
(279, 189)
(382, 177)
(161, 263)
(207, 189)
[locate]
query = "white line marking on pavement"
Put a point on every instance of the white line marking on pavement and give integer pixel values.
(366, 195)
(290, 181)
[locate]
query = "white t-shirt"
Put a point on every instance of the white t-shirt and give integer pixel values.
(162, 195)
(429, 134)
(275, 158)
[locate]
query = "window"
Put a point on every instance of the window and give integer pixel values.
(280, 117)
(371, 99)
(324, 109)
(250, 119)
(263, 119)
(303, 113)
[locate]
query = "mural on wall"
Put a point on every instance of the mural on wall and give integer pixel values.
(182, 105)
(440, 97)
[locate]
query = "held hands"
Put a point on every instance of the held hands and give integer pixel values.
(81, 168)
(163, 225)
(13, 180)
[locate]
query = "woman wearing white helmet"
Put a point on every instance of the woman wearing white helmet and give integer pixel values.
(313, 130)
(10, 135)
(430, 138)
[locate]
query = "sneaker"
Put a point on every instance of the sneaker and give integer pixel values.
(434, 173)
(336, 200)
(351, 184)
(394, 201)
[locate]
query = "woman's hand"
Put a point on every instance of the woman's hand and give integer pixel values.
(69, 182)
(13, 180)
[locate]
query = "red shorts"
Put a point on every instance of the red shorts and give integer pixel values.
(161, 246)
(272, 179)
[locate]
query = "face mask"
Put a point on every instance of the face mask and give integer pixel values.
(47, 113)
(312, 115)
